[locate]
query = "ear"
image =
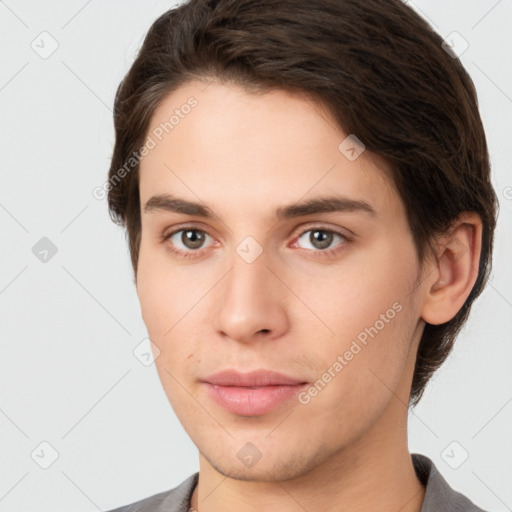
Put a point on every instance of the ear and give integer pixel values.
(449, 283)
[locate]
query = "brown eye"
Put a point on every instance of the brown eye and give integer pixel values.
(187, 239)
(191, 239)
(321, 239)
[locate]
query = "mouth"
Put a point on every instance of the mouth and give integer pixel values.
(252, 394)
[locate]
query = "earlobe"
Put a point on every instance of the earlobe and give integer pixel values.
(455, 270)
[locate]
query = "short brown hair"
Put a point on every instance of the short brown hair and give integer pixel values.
(377, 66)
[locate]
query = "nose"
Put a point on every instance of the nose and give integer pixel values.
(250, 302)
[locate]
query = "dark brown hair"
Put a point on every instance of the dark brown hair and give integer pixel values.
(380, 70)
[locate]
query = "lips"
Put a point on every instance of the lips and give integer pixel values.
(254, 393)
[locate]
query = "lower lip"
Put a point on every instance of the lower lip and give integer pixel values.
(252, 401)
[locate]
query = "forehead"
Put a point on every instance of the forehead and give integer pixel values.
(220, 144)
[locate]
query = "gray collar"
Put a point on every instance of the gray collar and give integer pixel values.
(439, 496)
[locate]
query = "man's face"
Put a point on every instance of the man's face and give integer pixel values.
(327, 298)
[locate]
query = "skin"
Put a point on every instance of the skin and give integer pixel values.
(244, 155)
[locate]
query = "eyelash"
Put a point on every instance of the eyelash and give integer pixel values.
(325, 253)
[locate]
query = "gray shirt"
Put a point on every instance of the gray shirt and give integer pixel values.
(439, 496)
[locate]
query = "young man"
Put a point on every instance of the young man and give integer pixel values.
(305, 186)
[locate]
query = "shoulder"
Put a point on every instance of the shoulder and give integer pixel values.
(173, 500)
(439, 495)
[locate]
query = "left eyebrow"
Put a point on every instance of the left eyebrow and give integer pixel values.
(328, 204)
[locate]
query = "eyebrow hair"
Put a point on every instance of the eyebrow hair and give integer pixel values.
(327, 204)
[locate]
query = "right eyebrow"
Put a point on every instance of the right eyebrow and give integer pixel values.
(166, 202)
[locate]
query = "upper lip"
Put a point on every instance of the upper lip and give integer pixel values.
(232, 377)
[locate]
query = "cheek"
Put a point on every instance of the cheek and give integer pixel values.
(351, 299)
(365, 315)
(362, 364)
(166, 293)
(167, 314)
(170, 301)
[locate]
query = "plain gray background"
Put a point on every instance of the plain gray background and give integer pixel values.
(69, 377)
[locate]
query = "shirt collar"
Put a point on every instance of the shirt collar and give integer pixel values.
(439, 496)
